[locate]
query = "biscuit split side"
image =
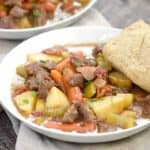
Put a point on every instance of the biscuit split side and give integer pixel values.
(129, 52)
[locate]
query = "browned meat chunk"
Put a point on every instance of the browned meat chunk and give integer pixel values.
(7, 22)
(80, 62)
(48, 65)
(86, 113)
(96, 50)
(13, 2)
(32, 83)
(146, 106)
(32, 68)
(76, 80)
(56, 50)
(104, 127)
(17, 12)
(77, 61)
(39, 79)
(88, 72)
(44, 88)
(79, 112)
(71, 115)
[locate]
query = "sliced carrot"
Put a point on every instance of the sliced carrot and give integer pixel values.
(78, 127)
(56, 75)
(103, 91)
(60, 67)
(50, 7)
(19, 90)
(3, 13)
(42, 1)
(2, 1)
(68, 6)
(73, 92)
(27, 6)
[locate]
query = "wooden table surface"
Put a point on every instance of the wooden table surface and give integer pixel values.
(119, 13)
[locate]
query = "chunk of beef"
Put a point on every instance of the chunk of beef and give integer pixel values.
(79, 112)
(144, 104)
(80, 62)
(44, 88)
(97, 49)
(88, 72)
(86, 113)
(55, 50)
(7, 22)
(32, 83)
(104, 127)
(13, 2)
(48, 65)
(40, 17)
(32, 68)
(17, 12)
(71, 115)
(35, 67)
(76, 80)
(77, 61)
(39, 79)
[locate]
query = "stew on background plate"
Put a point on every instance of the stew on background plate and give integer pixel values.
(70, 91)
(33, 13)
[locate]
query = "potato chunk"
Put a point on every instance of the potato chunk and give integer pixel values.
(121, 121)
(24, 23)
(25, 102)
(56, 102)
(111, 104)
(120, 80)
(129, 113)
(20, 70)
(40, 57)
(40, 105)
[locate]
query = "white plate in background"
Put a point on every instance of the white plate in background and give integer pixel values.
(29, 32)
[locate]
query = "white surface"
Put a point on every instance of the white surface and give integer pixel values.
(72, 35)
(26, 33)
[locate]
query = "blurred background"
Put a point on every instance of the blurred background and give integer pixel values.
(119, 13)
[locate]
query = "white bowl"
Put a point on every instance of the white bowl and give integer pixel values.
(45, 40)
(27, 33)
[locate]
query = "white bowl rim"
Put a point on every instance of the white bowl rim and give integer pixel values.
(51, 25)
(59, 132)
